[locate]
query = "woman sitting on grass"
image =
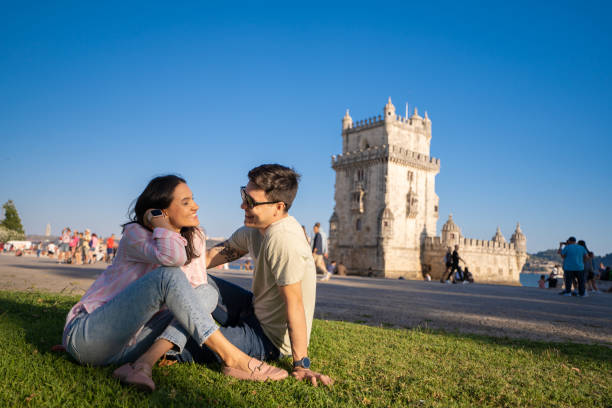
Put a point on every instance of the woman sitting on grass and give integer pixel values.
(155, 295)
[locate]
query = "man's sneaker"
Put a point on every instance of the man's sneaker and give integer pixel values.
(448, 282)
(584, 295)
(565, 293)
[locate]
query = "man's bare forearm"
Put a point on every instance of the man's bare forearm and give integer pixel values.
(297, 332)
(222, 253)
(296, 320)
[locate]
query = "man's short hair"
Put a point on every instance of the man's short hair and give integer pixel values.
(571, 239)
(280, 183)
(317, 224)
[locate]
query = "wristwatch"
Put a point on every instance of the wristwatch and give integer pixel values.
(304, 363)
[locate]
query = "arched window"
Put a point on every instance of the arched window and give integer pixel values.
(358, 224)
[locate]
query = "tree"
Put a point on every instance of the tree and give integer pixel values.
(10, 235)
(11, 218)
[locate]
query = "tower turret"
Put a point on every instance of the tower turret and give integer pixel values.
(389, 111)
(498, 237)
(347, 121)
(451, 233)
(519, 239)
(415, 115)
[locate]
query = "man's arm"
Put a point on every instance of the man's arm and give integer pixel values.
(296, 323)
(560, 250)
(222, 253)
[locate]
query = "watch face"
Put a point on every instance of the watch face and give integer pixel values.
(305, 362)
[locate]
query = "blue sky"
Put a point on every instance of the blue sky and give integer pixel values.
(99, 98)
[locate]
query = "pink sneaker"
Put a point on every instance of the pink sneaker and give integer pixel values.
(136, 374)
(260, 371)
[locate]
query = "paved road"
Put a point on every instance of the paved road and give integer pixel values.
(495, 310)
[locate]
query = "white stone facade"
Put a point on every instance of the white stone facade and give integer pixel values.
(384, 220)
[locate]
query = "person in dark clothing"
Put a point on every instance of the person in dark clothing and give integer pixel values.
(319, 250)
(468, 276)
(455, 258)
(448, 263)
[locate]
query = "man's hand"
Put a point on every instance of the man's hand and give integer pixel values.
(301, 373)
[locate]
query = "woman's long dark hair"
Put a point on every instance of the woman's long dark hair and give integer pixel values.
(582, 243)
(159, 194)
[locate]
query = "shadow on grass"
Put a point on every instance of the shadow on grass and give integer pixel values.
(572, 351)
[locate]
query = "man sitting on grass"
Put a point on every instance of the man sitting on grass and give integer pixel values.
(276, 318)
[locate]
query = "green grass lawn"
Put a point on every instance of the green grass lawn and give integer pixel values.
(372, 366)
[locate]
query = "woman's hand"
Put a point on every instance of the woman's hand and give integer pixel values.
(157, 221)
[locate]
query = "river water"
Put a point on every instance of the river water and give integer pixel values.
(530, 279)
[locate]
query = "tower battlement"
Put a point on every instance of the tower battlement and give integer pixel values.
(414, 123)
(392, 153)
(469, 244)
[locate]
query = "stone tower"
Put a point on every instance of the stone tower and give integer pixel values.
(385, 194)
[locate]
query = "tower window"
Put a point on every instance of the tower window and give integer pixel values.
(360, 175)
(435, 208)
(358, 224)
(410, 176)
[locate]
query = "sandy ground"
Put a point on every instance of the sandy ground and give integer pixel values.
(496, 310)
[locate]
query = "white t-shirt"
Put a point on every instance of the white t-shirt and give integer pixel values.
(281, 257)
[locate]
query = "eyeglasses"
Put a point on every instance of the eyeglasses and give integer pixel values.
(250, 203)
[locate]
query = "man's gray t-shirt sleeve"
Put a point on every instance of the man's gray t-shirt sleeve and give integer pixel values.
(286, 264)
(240, 239)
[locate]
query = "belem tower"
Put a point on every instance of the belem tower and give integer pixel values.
(384, 220)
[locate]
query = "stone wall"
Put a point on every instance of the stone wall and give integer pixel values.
(489, 262)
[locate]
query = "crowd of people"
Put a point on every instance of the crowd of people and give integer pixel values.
(72, 247)
(79, 248)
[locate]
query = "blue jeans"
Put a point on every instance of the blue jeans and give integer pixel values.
(234, 312)
(106, 336)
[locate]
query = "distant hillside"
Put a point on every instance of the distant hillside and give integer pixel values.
(551, 255)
